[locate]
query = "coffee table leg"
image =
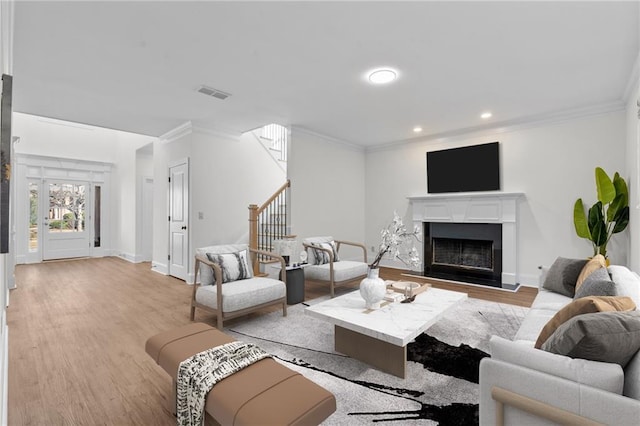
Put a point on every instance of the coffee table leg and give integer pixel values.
(381, 355)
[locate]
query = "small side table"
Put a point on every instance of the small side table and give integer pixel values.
(295, 284)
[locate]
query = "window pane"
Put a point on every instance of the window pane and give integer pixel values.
(66, 207)
(96, 217)
(33, 216)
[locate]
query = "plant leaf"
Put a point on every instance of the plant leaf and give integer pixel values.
(604, 186)
(580, 220)
(621, 188)
(622, 220)
(616, 205)
(597, 227)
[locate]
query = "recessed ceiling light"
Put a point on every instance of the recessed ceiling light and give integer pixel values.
(382, 76)
(485, 115)
(417, 129)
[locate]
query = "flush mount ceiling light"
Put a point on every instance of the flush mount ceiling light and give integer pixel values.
(382, 76)
(417, 129)
(485, 115)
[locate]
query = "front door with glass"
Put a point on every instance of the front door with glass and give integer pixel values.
(66, 230)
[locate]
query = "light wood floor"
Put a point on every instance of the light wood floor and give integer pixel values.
(77, 331)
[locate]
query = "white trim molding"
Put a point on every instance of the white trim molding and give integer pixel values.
(177, 133)
(477, 207)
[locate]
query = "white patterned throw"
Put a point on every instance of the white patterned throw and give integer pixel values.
(199, 373)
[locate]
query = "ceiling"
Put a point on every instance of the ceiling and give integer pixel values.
(135, 66)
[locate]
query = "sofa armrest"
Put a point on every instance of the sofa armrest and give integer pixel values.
(602, 375)
(550, 390)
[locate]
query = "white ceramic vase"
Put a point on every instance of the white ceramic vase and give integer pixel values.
(372, 289)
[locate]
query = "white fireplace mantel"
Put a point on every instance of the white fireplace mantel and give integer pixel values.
(476, 207)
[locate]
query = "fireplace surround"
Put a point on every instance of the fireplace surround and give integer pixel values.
(455, 210)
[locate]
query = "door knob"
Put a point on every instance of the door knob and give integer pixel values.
(184, 227)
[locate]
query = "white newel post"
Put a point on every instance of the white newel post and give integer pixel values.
(481, 207)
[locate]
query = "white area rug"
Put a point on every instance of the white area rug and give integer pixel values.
(428, 396)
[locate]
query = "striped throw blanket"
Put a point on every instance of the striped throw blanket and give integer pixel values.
(198, 374)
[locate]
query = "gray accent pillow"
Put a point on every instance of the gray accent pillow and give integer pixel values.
(602, 336)
(234, 266)
(322, 257)
(563, 274)
(598, 283)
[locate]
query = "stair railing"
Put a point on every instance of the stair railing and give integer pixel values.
(267, 223)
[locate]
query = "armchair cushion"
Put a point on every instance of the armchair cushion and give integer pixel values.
(206, 273)
(234, 266)
(342, 271)
(237, 295)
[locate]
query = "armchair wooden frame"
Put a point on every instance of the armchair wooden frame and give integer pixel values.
(221, 316)
(332, 283)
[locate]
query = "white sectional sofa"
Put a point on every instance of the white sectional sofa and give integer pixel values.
(555, 386)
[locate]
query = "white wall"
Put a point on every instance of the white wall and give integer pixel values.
(327, 189)
(633, 166)
(552, 163)
(227, 174)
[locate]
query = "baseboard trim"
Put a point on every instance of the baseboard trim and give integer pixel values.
(5, 376)
(160, 268)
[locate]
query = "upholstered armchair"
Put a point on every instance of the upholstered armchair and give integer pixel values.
(228, 286)
(325, 265)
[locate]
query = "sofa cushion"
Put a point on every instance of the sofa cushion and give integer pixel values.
(234, 266)
(604, 336)
(206, 272)
(632, 378)
(584, 305)
(242, 294)
(550, 300)
(563, 274)
(597, 284)
(343, 270)
(532, 323)
(595, 263)
(602, 375)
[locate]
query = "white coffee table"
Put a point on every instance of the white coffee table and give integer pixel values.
(380, 337)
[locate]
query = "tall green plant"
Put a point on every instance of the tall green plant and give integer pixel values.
(608, 216)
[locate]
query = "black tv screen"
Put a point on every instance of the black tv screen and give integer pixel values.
(471, 168)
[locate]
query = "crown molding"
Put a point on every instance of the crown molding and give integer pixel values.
(508, 125)
(331, 139)
(177, 133)
(222, 133)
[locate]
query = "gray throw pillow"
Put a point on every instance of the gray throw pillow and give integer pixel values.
(603, 336)
(598, 283)
(234, 266)
(563, 274)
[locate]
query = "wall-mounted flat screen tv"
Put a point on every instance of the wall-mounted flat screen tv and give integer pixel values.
(466, 169)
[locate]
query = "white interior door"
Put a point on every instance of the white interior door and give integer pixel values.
(178, 220)
(66, 230)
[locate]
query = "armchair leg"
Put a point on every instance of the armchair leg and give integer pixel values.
(332, 290)
(284, 309)
(219, 325)
(193, 313)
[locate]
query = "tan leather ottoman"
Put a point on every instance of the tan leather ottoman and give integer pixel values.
(265, 393)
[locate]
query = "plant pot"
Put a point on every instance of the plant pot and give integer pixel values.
(372, 289)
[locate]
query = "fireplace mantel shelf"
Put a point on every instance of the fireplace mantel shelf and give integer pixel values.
(467, 195)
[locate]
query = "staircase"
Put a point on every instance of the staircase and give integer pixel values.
(268, 223)
(274, 138)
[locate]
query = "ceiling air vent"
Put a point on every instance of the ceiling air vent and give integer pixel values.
(210, 91)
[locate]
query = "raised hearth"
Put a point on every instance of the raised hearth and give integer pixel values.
(455, 210)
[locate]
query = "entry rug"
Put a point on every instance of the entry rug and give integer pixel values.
(442, 373)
